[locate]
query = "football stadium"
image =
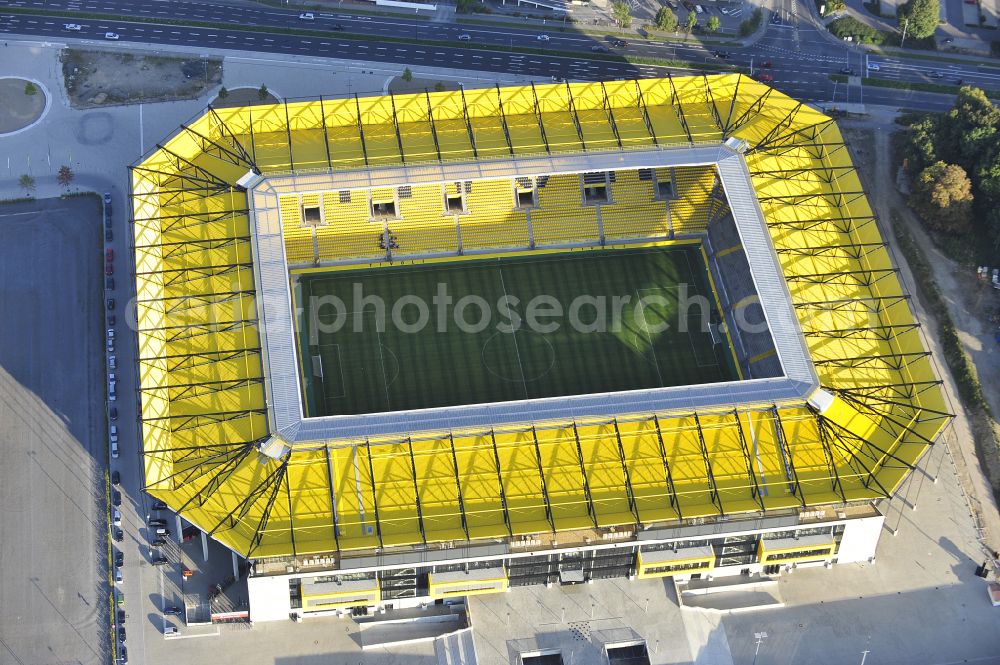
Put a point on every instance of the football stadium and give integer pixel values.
(423, 346)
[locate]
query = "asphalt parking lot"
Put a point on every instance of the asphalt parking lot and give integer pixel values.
(53, 591)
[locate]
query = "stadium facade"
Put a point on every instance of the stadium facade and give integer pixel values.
(835, 402)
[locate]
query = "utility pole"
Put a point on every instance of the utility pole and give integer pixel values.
(864, 655)
(906, 24)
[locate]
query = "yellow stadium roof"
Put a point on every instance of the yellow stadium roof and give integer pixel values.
(202, 372)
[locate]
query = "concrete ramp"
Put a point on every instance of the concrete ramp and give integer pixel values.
(409, 627)
(731, 595)
(457, 648)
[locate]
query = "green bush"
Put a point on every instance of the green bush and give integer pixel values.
(848, 26)
(752, 24)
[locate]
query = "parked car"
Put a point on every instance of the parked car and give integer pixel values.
(118, 575)
(698, 9)
(111, 345)
(109, 268)
(116, 478)
(119, 559)
(116, 517)
(113, 413)
(307, 16)
(123, 655)
(116, 497)
(157, 522)
(172, 611)
(765, 78)
(107, 198)
(160, 542)
(464, 37)
(112, 361)
(121, 616)
(75, 27)
(112, 392)
(159, 505)
(159, 561)
(110, 303)
(109, 283)
(767, 64)
(113, 36)
(114, 450)
(109, 255)
(108, 235)
(162, 531)
(117, 535)
(121, 633)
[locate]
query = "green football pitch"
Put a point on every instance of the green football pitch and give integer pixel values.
(507, 328)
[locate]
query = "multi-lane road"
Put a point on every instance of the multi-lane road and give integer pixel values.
(801, 56)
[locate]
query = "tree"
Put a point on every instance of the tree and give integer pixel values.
(407, 75)
(27, 183)
(263, 92)
(691, 21)
(967, 129)
(752, 24)
(919, 17)
(223, 93)
(666, 20)
(65, 176)
(621, 14)
(713, 24)
(439, 86)
(30, 88)
(921, 145)
(942, 194)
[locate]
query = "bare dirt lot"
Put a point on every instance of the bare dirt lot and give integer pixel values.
(398, 86)
(107, 78)
(243, 97)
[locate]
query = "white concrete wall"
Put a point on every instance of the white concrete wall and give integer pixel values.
(269, 598)
(860, 539)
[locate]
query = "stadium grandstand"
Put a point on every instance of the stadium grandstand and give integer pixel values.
(358, 470)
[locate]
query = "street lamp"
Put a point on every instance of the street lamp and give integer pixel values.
(760, 637)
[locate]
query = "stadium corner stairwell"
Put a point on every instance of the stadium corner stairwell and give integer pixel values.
(202, 375)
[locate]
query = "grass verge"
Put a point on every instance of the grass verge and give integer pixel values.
(959, 363)
(970, 391)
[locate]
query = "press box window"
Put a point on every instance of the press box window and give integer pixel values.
(595, 188)
(454, 204)
(383, 209)
(525, 194)
(665, 185)
(311, 216)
